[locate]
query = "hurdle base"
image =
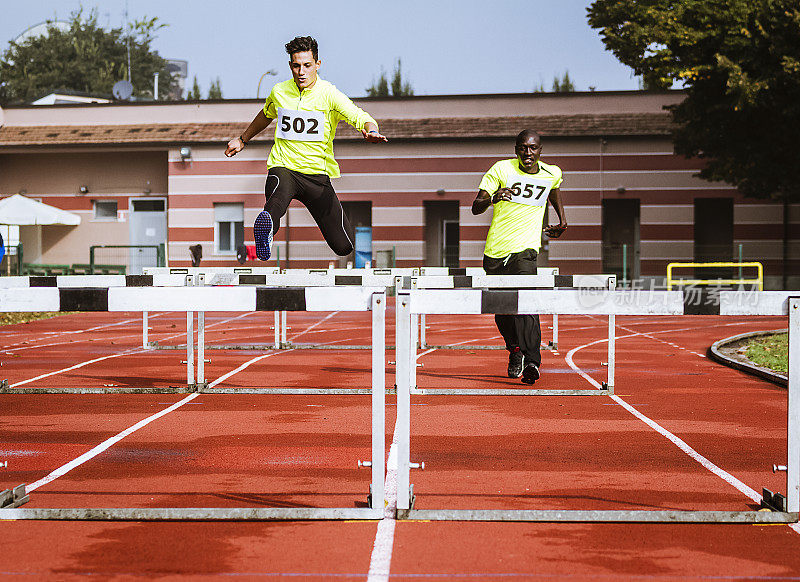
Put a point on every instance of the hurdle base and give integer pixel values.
(773, 501)
(98, 390)
(312, 391)
(193, 514)
(505, 392)
(610, 516)
(13, 498)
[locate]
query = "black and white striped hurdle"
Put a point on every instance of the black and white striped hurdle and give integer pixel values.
(200, 298)
(598, 302)
(547, 279)
(138, 293)
(274, 277)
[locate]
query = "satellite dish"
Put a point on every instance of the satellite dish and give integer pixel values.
(122, 90)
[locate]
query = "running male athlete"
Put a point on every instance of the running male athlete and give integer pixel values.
(301, 162)
(521, 188)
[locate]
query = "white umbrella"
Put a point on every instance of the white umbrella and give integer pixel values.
(22, 211)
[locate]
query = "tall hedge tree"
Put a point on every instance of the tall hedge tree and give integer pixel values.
(739, 62)
(86, 58)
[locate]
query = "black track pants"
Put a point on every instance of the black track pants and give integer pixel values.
(316, 193)
(518, 330)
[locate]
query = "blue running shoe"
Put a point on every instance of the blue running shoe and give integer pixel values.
(262, 230)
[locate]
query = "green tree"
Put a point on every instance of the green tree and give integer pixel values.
(86, 58)
(215, 90)
(739, 62)
(398, 87)
(194, 92)
(563, 85)
(379, 88)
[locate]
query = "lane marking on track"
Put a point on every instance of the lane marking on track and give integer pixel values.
(49, 335)
(75, 367)
(90, 454)
(677, 441)
(381, 559)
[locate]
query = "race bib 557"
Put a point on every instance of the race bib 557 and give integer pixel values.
(300, 125)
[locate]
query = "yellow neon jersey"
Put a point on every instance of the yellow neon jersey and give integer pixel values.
(306, 125)
(517, 225)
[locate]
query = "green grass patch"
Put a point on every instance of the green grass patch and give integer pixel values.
(11, 318)
(770, 351)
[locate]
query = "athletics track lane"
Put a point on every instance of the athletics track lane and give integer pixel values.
(454, 550)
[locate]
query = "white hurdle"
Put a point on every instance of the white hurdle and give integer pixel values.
(651, 303)
(544, 281)
(200, 299)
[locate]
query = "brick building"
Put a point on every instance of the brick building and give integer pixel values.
(143, 173)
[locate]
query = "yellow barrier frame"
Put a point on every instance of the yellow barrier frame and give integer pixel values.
(758, 281)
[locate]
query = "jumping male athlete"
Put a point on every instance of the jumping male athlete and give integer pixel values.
(301, 162)
(521, 188)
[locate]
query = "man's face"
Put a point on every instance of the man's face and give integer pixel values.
(528, 153)
(304, 69)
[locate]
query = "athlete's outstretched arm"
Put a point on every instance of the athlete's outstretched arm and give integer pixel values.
(259, 124)
(556, 230)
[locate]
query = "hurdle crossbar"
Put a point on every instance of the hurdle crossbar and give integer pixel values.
(547, 279)
(648, 303)
(584, 283)
(191, 298)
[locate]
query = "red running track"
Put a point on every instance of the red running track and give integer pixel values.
(480, 452)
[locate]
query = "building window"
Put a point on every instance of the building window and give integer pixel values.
(105, 209)
(228, 227)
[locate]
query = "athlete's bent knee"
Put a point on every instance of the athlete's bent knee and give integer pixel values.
(343, 250)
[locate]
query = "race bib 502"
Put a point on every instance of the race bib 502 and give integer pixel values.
(530, 191)
(300, 125)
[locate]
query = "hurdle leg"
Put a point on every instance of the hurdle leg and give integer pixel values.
(793, 427)
(144, 329)
(277, 342)
(612, 352)
(403, 343)
(377, 490)
(422, 341)
(412, 354)
(555, 331)
(201, 348)
(190, 348)
(284, 327)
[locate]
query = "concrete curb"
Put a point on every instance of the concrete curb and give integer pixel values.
(743, 364)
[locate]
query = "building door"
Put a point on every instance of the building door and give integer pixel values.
(360, 215)
(148, 226)
(713, 236)
(621, 238)
(442, 236)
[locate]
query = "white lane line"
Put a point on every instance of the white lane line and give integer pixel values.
(75, 367)
(49, 335)
(681, 444)
(381, 559)
(66, 468)
(90, 454)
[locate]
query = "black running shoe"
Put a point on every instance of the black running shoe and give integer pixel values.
(530, 374)
(516, 361)
(262, 231)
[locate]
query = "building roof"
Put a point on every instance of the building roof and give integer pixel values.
(578, 125)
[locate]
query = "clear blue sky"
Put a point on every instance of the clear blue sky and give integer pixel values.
(464, 46)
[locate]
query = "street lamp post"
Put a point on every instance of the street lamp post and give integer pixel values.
(258, 91)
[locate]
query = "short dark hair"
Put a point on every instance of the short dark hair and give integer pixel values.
(301, 44)
(525, 134)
